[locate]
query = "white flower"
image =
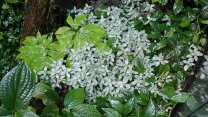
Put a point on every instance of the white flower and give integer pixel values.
(159, 60)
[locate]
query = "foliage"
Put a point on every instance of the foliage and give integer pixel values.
(10, 31)
(40, 51)
(16, 90)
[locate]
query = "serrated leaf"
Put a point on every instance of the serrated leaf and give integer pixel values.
(182, 97)
(85, 110)
(91, 33)
(74, 97)
(17, 87)
(77, 22)
(111, 113)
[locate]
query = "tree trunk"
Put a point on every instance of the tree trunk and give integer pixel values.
(35, 17)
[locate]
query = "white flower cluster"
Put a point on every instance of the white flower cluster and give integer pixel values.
(194, 53)
(106, 72)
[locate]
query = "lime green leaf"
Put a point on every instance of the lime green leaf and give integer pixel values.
(178, 6)
(74, 97)
(16, 88)
(85, 110)
(115, 104)
(46, 93)
(111, 113)
(91, 33)
(25, 113)
(11, 1)
(182, 97)
(77, 22)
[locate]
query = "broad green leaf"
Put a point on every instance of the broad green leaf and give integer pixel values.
(169, 91)
(46, 93)
(204, 21)
(25, 113)
(128, 107)
(91, 33)
(118, 106)
(17, 87)
(182, 97)
(154, 35)
(11, 1)
(5, 112)
(178, 6)
(77, 22)
(164, 2)
(51, 109)
(111, 113)
(150, 110)
(192, 103)
(85, 110)
(74, 97)
(141, 96)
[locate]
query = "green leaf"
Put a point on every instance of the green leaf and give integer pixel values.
(51, 109)
(141, 96)
(128, 106)
(150, 110)
(154, 35)
(164, 2)
(161, 44)
(77, 22)
(140, 65)
(74, 97)
(46, 93)
(25, 113)
(164, 69)
(85, 110)
(1, 35)
(17, 87)
(204, 21)
(169, 91)
(111, 113)
(11, 1)
(178, 6)
(91, 33)
(118, 106)
(182, 97)
(5, 112)
(192, 103)
(185, 22)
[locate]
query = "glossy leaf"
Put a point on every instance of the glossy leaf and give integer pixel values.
(74, 97)
(85, 110)
(111, 113)
(182, 97)
(150, 110)
(178, 6)
(118, 106)
(17, 87)
(77, 22)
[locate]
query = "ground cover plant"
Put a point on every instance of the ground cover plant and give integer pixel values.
(125, 60)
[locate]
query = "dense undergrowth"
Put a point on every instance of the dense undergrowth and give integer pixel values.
(129, 60)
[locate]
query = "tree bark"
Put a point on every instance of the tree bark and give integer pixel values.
(35, 17)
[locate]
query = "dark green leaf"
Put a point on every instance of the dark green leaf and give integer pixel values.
(118, 106)
(111, 113)
(16, 88)
(11, 1)
(178, 6)
(74, 97)
(25, 113)
(140, 66)
(85, 110)
(150, 110)
(161, 44)
(164, 69)
(169, 91)
(5, 112)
